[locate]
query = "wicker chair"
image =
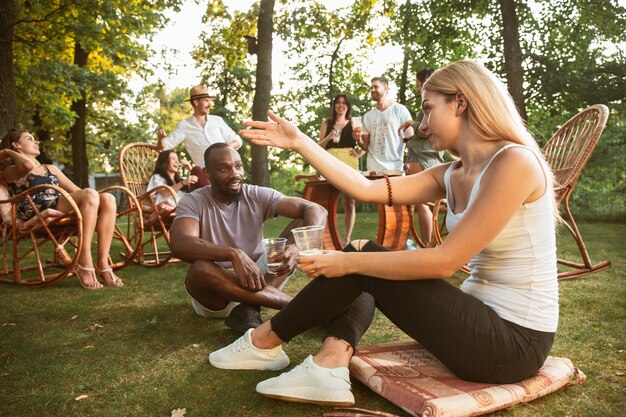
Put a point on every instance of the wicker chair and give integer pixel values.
(136, 166)
(567, 152)
(42, 250)
(440, 211)
(128, 232)
(45, 249)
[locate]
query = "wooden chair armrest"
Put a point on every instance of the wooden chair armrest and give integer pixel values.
(46, 216)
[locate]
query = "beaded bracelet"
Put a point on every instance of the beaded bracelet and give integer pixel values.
(389, 192)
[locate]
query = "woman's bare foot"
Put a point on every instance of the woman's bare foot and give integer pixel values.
(109, 278)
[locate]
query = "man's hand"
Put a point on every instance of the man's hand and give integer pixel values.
(289, 258)
(186, 164)
(161, 145)
(247, 271)
(192, 179)
(404, 126)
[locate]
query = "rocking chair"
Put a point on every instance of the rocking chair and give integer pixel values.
(567, 153)
(136, 166)
(37, 252)
(44, 249)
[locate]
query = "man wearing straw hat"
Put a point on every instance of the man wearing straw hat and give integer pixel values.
(198, 132)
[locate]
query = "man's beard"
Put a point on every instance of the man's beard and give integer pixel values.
(227, 193)
(233, 195)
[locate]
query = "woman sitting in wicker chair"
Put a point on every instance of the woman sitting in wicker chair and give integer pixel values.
(166, 173)
(98, 210)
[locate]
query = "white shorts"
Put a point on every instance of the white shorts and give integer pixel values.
(202, 311)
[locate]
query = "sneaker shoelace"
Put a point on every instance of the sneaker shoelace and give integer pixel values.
(297, 369)
(306, 366)
(239, 345)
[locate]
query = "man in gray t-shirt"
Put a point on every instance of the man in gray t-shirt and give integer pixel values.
(219, 229)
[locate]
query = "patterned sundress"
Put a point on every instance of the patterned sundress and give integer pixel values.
(43, 198)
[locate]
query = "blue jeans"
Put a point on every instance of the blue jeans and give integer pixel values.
(458, 329)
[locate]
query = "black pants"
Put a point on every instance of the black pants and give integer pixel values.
(461, 331)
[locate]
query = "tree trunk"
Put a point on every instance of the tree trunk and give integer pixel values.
(331, 72)
(263, 88)
(80, 163)
(403, 78)
(513, 54)
(8, 98)
(407, 52)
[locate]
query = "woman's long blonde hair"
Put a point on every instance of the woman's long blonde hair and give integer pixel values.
(491, 112)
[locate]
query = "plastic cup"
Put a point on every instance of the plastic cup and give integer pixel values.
(407, 133)
(356, 123)
(273, 247)
(310, 240)
(336, 135)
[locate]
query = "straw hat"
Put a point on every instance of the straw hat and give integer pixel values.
(199, 91)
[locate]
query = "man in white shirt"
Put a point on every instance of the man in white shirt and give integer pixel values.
(379, 136)
(198, 132)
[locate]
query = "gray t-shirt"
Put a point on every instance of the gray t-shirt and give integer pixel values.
(238, 224)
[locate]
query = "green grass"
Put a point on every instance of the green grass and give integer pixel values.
(140, 351)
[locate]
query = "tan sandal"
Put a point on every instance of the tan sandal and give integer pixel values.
(115, 281)
(77, 268)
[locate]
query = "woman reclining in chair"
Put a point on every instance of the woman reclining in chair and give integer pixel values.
(98, 210)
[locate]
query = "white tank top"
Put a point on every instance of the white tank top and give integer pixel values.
(516, 274)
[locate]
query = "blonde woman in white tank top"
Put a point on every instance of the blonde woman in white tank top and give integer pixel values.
(499, 327)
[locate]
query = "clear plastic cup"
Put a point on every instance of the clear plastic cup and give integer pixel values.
(309, 239)
(336, 135)
(273, 247)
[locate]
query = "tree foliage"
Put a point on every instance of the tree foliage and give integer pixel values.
(430, 34)
(48, 80)
(226, 65)
(572, 55)
(570, 64)
(222, 55)
(570, 58)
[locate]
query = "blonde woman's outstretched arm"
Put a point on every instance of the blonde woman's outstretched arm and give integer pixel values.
(282, 134)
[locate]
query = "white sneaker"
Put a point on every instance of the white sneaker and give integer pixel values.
(242, 354)
(311, 383)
